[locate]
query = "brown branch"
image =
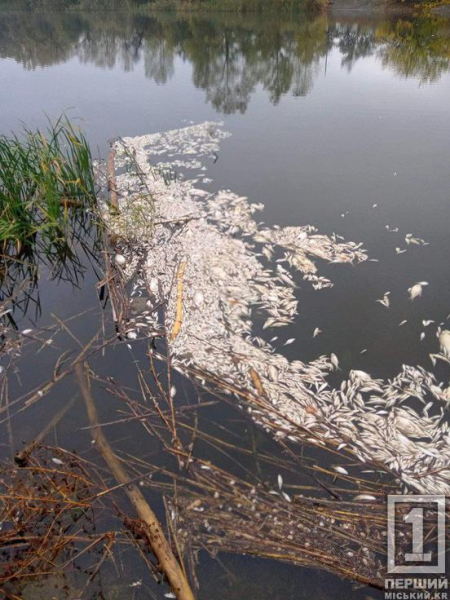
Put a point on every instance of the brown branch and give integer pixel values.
(112, 181)
(152, 528)
(22, 457)
(179, 313)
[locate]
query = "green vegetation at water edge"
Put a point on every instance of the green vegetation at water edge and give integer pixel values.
(46, 183)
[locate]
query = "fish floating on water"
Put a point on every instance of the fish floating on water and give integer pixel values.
(385, 300)
(232, 279)
(416, 290)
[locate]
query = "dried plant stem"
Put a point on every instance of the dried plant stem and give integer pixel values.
(152, 528)
(21, 457)
(179, 313)
(112, 180)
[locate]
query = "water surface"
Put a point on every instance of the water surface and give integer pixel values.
(329, 116)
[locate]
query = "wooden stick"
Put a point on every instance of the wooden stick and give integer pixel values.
(22, 457)
(113, 198)
(179, 313)
(152, 528)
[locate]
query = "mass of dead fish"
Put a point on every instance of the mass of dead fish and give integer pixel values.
(235, 272)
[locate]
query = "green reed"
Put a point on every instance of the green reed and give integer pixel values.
(46, 183)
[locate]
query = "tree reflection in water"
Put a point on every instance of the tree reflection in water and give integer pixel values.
(230, 56)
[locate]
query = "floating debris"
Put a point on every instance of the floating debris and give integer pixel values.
(198, 299)
(120, 260)
(410, 239)
(334, 360)
(444, 341)
(416, 290)
(364, 498)
(218, 239)
(385, 300)
(340, 470)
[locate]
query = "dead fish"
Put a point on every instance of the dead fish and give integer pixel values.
(385, 300)
(334, 361)
(153, 285)
(410, 239)
(316, 332)
(444, 341)
(198, 299)
(268, 252)
(402, 421)
(361, 375)
(416, 290)
(427, 407)
(340, 470)
(364, 498)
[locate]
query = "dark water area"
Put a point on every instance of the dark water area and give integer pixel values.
(329, 115)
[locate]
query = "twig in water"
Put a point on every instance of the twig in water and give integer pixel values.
(179, 313)
(151, 526)
(112, 181)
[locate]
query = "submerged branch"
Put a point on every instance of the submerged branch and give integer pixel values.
(151, 526)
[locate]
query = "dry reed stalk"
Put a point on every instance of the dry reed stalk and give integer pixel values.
(22, 457)
(59, 374)
(151, 526)
(115, 283)
(215, 509)
(113, 198)
(179, 312)
(41, 505)
(219, 511)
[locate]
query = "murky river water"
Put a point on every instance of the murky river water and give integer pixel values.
(338, 121)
